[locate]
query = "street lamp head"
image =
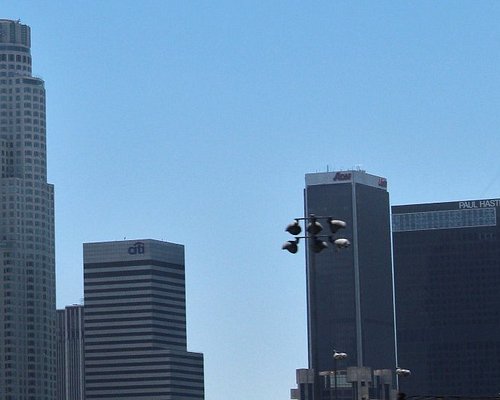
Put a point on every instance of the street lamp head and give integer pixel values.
(336, 224)
(314, 227)
(291, 246)
(403, 372)
(341, 243)
(339, 355)
(294, 228)
(318, 245)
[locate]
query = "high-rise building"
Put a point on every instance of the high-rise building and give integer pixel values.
(70, 360)
(350, 292)
(135, 323)
(447, 280)
(27, 272)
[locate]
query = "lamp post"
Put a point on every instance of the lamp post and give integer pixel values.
(336, 357)
(403, 373)
(330, 374)
(317, 242)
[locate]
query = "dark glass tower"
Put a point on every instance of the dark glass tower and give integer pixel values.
(350, 292)
(447, 275)
(27, 271)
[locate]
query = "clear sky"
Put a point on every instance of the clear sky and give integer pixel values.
(195, 122)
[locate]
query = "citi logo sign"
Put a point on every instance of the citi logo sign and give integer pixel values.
(137, 248)
(382, 182)
(342, 176)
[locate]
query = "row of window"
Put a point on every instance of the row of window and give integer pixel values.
(21, 216)
(28, 199)
(18, 97)
(30, 81)
(13, 183)
(13, 73)
(15, 67)
(8, 172)
(26, 128)
(26, 89)
(448, 219)
(26, 113)
(15, 57)
(34, 106)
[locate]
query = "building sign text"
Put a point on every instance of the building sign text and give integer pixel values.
(478, 204)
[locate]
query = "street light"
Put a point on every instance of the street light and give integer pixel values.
(317, 243)
(330, 375)
(403, 373)
(314, 228)
(291, 246)
(294, 228)
(337, 356)
(336, 224)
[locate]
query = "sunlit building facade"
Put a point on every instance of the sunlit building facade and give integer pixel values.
(27, 266)
(135, 323)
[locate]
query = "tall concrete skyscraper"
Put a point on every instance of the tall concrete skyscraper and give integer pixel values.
(350, 292)
(27, 272)
(135, 323)
(447, 279)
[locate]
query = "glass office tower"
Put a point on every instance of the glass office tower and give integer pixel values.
(350, 292)
(27, 266)
(447, 276)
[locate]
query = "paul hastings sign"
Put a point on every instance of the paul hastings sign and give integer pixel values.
(478, 204)
(136, 248)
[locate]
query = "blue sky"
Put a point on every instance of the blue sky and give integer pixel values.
(195, 122)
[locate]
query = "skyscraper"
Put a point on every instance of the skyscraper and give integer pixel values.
(27, 274)
(135, 323)
(350, 300)
(70, 360)
(447, 279)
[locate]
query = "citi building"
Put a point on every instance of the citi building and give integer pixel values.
(135, 323)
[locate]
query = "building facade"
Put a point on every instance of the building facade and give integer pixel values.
(353, 383)
(350, 292)
(27, 271)
(135, 323)
(70, 359)
(447, 279)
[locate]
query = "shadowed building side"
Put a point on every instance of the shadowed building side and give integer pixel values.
(350, 292)
(70, 358)
(447, 279)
